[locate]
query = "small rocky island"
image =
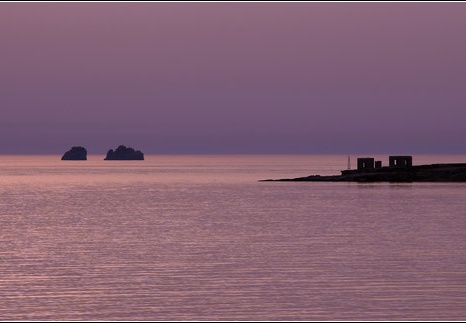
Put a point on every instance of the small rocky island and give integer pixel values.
(124, 153)
(75, 153)
(400, 169)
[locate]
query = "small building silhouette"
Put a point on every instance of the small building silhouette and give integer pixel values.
(400, 161)
(370, 165)
(365, 163)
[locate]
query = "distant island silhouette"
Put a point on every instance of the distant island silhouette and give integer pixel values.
(400, 169)
(124, 153)
(75, 153)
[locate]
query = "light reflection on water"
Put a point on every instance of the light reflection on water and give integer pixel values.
(198, 238)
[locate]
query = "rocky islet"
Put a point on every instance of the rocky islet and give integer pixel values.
(121, 153)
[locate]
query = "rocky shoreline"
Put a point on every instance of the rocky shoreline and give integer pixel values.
(421, 173)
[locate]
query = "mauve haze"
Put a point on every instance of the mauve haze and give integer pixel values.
(233, 77)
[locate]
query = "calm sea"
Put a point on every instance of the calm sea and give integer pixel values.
(199, 238)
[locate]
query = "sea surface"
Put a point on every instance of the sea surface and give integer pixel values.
(200, 238)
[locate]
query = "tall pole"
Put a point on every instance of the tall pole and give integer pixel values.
(349, 163)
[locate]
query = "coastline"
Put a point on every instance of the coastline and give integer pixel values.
(445, 172)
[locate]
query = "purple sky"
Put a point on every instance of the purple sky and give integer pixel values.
(233, 77)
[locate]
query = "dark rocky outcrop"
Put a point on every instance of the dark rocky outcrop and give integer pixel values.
(75, 153)
(421, 173)
(124, 153)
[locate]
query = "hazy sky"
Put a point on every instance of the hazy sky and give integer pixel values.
(233, 77)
